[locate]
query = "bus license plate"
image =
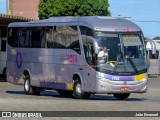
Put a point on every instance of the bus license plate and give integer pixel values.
(124, 88)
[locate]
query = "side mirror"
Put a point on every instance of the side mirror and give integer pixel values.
(94, 42)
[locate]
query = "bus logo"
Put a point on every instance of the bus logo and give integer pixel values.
(71, 58)
(19, 59)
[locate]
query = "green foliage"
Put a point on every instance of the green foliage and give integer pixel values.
(156, 38)
(48, 8)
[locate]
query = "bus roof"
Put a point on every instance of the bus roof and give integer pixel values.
(98, 23)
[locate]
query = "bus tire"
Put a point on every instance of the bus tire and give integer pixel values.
(121, 96)
(28, 89)
(78, 94)
(65, 93)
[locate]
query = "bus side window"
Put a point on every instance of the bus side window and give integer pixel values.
(59, 38)
(86, 31)
(43, 43)
(3, 39)
(36, 38)
(22, 37)
(49, 37)
(72, 41)
(3, 45)
(55, 37)
(13, 37)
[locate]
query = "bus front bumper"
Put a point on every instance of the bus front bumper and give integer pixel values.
(121, 86)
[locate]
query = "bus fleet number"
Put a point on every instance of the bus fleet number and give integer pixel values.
(72, 58)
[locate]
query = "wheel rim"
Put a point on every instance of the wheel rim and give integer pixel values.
(78, 89)
(26, 85)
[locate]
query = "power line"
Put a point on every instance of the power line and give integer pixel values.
(145, 21)
(129, 18)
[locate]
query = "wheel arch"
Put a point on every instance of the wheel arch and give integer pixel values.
(27, 72)
(78, 75)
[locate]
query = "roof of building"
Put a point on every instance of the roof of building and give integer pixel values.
(6, 19)
(94, 22)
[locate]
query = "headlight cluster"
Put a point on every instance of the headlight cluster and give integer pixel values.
(143, 79)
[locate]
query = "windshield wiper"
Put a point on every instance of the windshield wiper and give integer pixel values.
(118, 59)
(132, 64)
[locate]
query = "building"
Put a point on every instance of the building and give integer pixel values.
(24, 8)
(4, 21)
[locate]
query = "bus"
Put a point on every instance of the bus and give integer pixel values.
(65, 54)
(154, 59)
(3, 57)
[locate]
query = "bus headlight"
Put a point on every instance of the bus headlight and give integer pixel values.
(99, 75)
(143, 79)
(103, 79)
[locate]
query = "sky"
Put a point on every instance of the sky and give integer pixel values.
(146, 11)
(2, 6)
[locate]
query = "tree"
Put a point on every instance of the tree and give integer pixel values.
(48, 8)
(156, 38)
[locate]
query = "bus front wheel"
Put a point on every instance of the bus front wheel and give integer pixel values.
(121, 96)
(28, 89)
(77, 91)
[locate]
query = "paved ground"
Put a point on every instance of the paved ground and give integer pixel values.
(12, 98)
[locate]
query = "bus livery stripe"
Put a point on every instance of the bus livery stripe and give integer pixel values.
(139, 77)
(53, 85)
(70, 86)
(124, 78)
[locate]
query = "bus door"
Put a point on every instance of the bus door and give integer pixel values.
(90, 82)
(75, 58)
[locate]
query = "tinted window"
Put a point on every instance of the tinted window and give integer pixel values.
(72, 41)
(56, 37)
(13, 37)
(3, 32)
(3, 45)
(49, 37)
(86, 31)
(36, 38)
(60, 37)
(23, 37)
(3, 39)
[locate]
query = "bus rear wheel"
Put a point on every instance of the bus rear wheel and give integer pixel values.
(77, 91)
(28, 89)
(121, 96)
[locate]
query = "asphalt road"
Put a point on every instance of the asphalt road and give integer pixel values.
(12, 98)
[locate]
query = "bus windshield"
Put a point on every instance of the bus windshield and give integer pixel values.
(120, 53)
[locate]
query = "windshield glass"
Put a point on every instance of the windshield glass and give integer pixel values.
(120, 52)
